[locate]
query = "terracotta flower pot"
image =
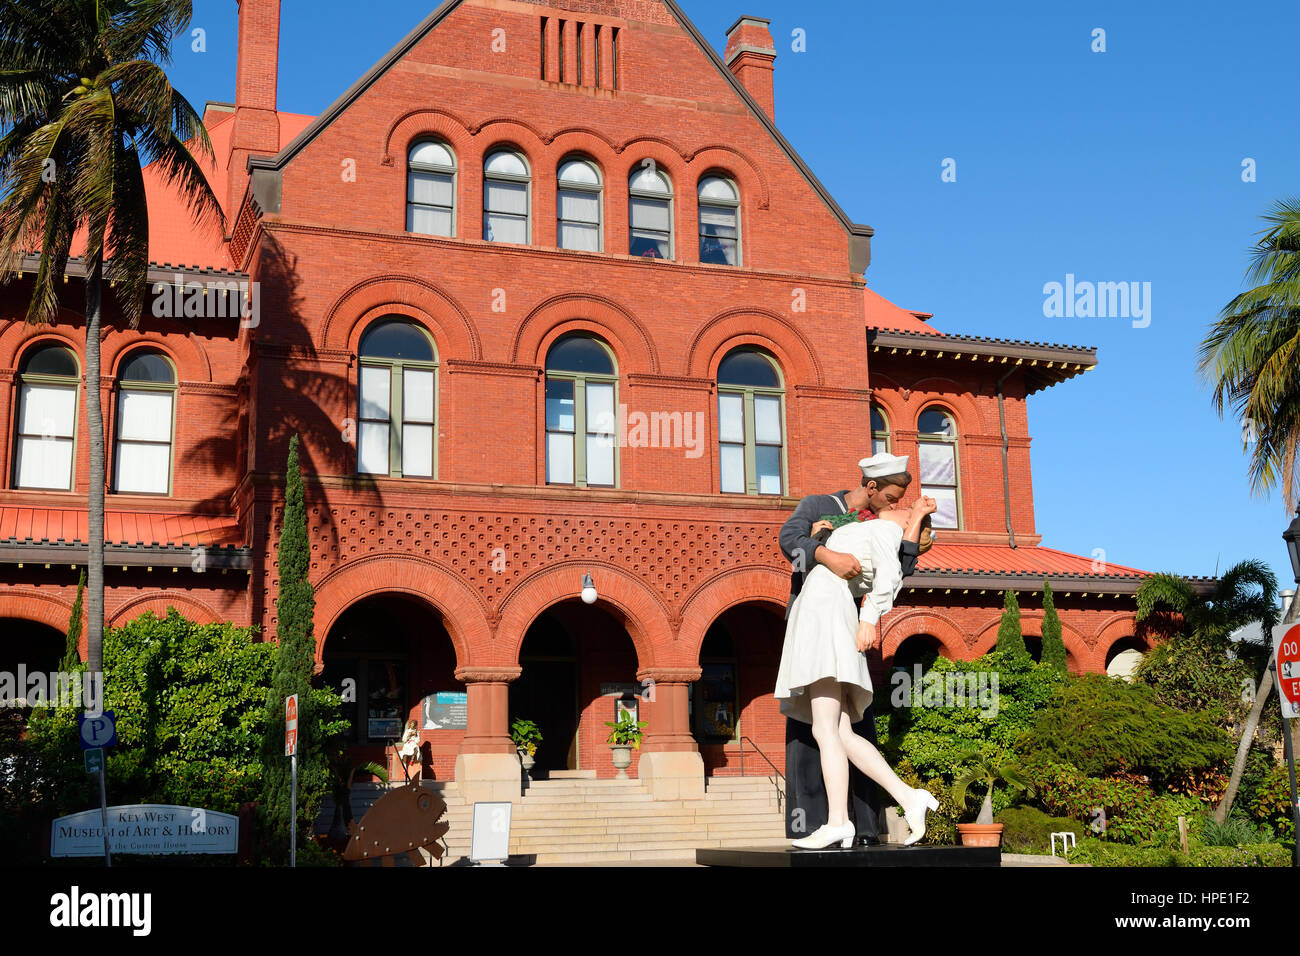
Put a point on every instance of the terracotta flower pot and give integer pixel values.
(980, 834)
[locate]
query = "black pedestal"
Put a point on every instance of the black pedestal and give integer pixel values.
(887, 855)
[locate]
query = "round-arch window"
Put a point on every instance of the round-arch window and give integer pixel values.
(937, 459)
(650, 213)
(719, 221)
(578, 206)
(879, 431)
(396, 339)
(50, 360)
(431, 190)
(579, 353)
(505, 198)
(934, 421)
(748, 368)
(148, 367)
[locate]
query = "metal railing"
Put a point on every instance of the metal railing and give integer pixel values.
(778, 780)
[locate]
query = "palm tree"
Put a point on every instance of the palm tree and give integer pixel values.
(84, 102)
(1246, 593)
(1251, 353)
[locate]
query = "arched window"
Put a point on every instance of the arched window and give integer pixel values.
(650, 212)
(751, 423)
(580, 423)
(146, 406)
(396, 401)
(577, 204)
(879, 431)
(505, 197)
(719, 221)
(431, 190)
(938, 464)
(47, 418)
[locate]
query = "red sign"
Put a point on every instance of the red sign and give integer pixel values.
(291, 725)
(1288, 668)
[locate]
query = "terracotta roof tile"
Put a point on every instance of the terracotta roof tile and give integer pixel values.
(120, 527)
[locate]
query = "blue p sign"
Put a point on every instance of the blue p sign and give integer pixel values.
(98, 731)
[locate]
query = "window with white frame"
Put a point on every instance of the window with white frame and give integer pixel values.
(719, 203)
(580, 413)
(48, 379)
(937, 447)
(396, 401)
(577, 206)
(751, 424)
(506, 183)
(650, 212)
(431, 189)
(146, 404)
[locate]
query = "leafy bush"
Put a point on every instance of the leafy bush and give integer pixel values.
(1028, 829)
(1100, 853)
(1234, 831)
(1102, 725)
(941, 824)
(1273, 802)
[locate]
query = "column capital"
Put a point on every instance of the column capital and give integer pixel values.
(477, 675)
(669, 675)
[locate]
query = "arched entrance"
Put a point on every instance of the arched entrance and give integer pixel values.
(546, 692)
(36, 647)
(1124, 656)
(923, 649)
(392, 659)
(734, 697)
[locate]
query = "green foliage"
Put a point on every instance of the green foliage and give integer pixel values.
(933, 737)
(1027, 829)
(1237, 830)
(320, 730)
(1195, 675)
(72, 648)
(1054, 653)
(941, 824)
(526, 735)
(1101, 853)
(626, 731)
(1103, 725)
(989, 772)
(1010, 638)
(1272, 805)
(1246, 592)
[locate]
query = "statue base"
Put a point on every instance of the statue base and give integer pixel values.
(887, 855)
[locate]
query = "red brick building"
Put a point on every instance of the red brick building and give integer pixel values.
(528, 294)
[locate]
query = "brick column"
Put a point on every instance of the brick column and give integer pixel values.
(605, 41)
(571, 52)
(670, 764)
(552, 41)
(588, 54)
(487, 767)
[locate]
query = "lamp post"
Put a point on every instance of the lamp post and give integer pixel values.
(1292, 538)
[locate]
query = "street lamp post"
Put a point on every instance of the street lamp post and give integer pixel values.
(1292, 538)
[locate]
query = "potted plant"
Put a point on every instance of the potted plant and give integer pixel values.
(986, 770)
(526, 737)
(625, 735)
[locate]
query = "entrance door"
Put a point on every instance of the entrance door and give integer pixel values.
(547, 694)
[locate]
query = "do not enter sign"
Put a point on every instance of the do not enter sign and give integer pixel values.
(1287, 649)
(291, 725)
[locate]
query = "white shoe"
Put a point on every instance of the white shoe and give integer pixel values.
(825, 835)
(915, 817)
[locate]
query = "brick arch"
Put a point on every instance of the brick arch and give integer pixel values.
(955, 400)
(583, 139)
(159, 602)
(464, 613)
(748, 174)
(189, 359)
(626, 334)
(24, 604)
(885, 393)
(748, 584)
(935, 623)
(538, 138)
(649, 145)
(19, 337)
(1030, 621)
(722, 333)
(448, 321)
(643, 612)
(419, 123)
(1115, 628)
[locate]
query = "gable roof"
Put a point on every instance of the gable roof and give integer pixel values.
(300, 142)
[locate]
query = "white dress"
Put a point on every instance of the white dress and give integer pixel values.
(821, 631)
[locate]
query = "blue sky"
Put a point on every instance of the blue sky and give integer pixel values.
(1123, 165)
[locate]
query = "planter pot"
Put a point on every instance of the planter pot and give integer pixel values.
(527, 759)
(622, 759)
(980, 834)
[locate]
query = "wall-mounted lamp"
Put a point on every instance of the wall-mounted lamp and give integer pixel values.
(589, 594)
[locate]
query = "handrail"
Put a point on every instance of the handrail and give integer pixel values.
(780, 790)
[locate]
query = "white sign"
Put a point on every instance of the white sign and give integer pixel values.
(1286, 651)
(490, 834)
(291, 725)
(145, 828)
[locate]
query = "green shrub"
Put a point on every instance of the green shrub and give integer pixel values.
(1273, 802)
(1100, 853)
(1028, 829)
(1237, 830)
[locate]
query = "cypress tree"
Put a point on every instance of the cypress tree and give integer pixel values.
(72, 649)
(1010, 637)
(292, 673)
(1053, 647)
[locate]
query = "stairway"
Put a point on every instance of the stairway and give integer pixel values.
(581, 819)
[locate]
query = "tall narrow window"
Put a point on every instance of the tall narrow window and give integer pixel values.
(938, 453)
(580, 423)
(396, 404)
(719, 221)
(650, 212)
(431, 190)
(47, 418)
(146, 402)
(505, 197)
(578, 206)
(879, 431)
(751, 423)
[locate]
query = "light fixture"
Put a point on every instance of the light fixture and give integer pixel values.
(1292, 538)
(589, 594)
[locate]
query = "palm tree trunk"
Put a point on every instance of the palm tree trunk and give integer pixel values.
(1248, 730)
(95, 505)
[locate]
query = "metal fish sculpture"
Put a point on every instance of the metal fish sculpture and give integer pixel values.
(401, 821)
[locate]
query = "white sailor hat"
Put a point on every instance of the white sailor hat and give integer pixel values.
(878, 466)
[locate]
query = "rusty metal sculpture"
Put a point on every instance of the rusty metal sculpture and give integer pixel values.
(403, 820)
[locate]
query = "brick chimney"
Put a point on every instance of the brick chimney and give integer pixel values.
(749, 55)
(256, 128)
